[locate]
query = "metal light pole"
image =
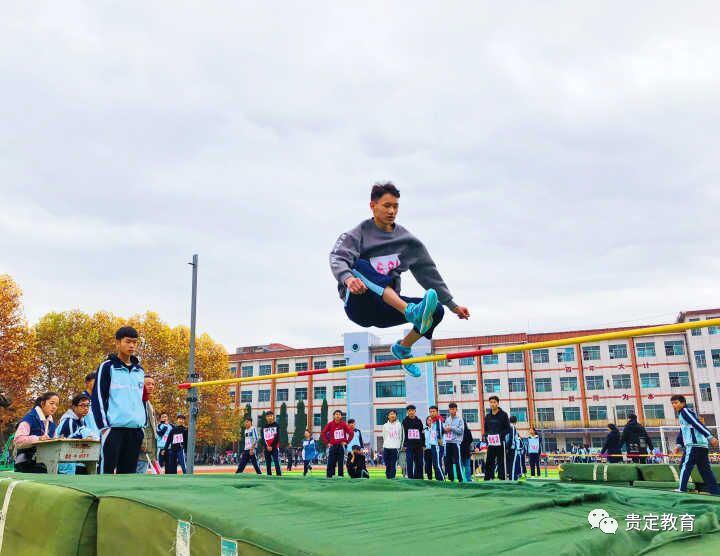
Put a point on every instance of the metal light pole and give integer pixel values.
(192, 375)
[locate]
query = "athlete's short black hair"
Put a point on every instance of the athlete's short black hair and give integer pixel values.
(513, 419)
(351, 421)
(411, 406)
(180, 416)
(494, 398)
(433, 407)
(381, 188)
(90, 376)
(126, 332)
(678, 398)
(337, 411)
(453, 404)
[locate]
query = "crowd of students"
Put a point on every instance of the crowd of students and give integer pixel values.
(114, 408)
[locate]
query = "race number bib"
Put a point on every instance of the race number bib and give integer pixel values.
(433, 435)
(268, 434)
(177, 439)
(493, 440)
(413, 434)
(449, 435)
(339, 434)
(248, 443)
(533, 445)
(386, 263)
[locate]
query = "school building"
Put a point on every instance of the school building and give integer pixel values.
(570, 393)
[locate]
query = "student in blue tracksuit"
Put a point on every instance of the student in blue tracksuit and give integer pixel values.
(175, 447)
(309, 452)
(437, 449)
(534, 448)
(249, 442)
(516, 452)
(118, 407)
(72, 425)
(37, 425)
(696, 438)
(163, 431)
(89, 385)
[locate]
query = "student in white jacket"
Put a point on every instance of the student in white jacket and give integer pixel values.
(392, 440)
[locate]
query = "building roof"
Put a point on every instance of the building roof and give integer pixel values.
(288, 353)
(685, 314)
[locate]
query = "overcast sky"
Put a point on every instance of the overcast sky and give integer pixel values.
(559, 161)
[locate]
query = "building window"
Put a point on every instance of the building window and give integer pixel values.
(283, 368)
(654, 411)
(339, 362)
(246, 371)
(246, 396)
(700, 361)
(568, 384)
(516, 384)
(317, 419)
(339, 392)
(674, 347)
(571, 413)
(705, 392)
(320, 392)
(470, 415)
(549, 444)
(231, 393)
(515, 357)
(679, 378)
(386, 357)
(645, 349)
(492, 385)
(264, 395)
(446, 387)
(543, 385)
(443, 363)
(381, 414)
(470, 361)
(265, 370)
(468, 386)
(520, 413)
(715, 357)
(695, 331)
(541, 356)
(598, 412)
(233, 369)
(490, 359)
(390, 389)
(623, 411)
(621, 381)
(599, 441)
(566, 355)
(594, 383)
(281, 394)
(649, 380)
(618, 351)
(317, 365)
(713, 329)
(302, 366)
(591, 353)
(300, 394)
(545, 413)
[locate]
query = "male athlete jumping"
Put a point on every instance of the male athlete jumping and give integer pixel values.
(367, 262)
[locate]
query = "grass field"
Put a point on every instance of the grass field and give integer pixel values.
(319, 471)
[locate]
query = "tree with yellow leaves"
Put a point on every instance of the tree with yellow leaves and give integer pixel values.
(17, 358)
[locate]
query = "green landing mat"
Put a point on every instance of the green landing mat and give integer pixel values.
(298, 516)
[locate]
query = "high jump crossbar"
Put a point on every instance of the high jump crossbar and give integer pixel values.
(620, 334)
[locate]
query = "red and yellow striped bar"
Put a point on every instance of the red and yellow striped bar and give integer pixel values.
(620, 334)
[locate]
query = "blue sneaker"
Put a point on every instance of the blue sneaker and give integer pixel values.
(402, 352)
(420, 315)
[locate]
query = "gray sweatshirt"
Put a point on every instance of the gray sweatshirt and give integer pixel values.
(457, 426)
(390, 253)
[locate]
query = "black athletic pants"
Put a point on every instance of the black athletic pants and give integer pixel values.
(246, 456)
(428, 463)
(269, 458)
(336, 458)
(414, 462)
(120, 451)
(495, 456)
(452, 462)
(534, 464)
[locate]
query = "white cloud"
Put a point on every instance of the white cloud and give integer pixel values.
(559, 161)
